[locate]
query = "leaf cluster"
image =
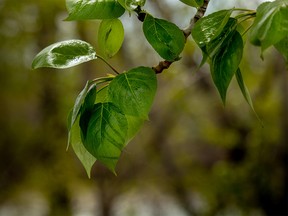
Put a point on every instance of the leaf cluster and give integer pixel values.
(110, 110)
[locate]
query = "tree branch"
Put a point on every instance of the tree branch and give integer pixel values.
(187, 31)
(199, 14)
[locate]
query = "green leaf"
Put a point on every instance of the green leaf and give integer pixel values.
(84, 156)
(85, 98)
(244, 89)
(282, 47)
(110, 37)
(85, 9)
(133, 91)
(193, 3)
(134, 125)
(245, 92)
(220, 41)
(64, 54)
(210, 27)
(226, 62)
(90, 98)
(270, 25)
(131, 5)
(106, 134)
(134, 122)
(102, 95)
(165, 37)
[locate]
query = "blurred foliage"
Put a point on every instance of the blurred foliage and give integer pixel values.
(194, 157)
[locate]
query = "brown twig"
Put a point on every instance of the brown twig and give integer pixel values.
(199, 14)
(163, 65)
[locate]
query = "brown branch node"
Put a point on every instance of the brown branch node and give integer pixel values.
(199, 14)
(162, 66)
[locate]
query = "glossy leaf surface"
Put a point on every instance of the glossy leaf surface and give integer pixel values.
(134, 91)
(209, 27)
(131, 5)
(271, 24)
(193, 3)
(87, 9)
(110, 37)
(85, 99)
(64, 54)
(165, 37)
(226, 62)
(106, 134)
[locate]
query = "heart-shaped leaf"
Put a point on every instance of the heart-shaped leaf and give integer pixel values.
(270, 25)
(64, 54)
(106, 133)
(85, 9)
(110, 37)
(133, 91)
(226, 62)
(134, 122)
(165, 37)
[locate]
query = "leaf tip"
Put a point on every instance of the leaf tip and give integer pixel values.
(34, 64)
(88, 173)
(223, 98)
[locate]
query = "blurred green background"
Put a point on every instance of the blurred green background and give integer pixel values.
(194, 156)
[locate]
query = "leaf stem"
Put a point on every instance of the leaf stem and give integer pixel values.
(246, 30)
(242, 9)
(248, 14)
(107, 63)
(101, 80)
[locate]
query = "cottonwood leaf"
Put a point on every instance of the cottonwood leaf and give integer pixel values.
(134, 125)
(133, 91)
(106, 133)
(84, 100)
(64, 54)
(245, 92)
(244, 89)
(88, 9)
(83, 155)
(220, 41)
(209, 27)
(282, 47)
(270, 25)
(165, 37)
(226, 62)
(110, 37)
(134, 122)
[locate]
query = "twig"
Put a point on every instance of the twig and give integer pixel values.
(163, 65)
(199, 14)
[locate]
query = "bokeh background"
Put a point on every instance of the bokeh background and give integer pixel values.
(194, 156)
